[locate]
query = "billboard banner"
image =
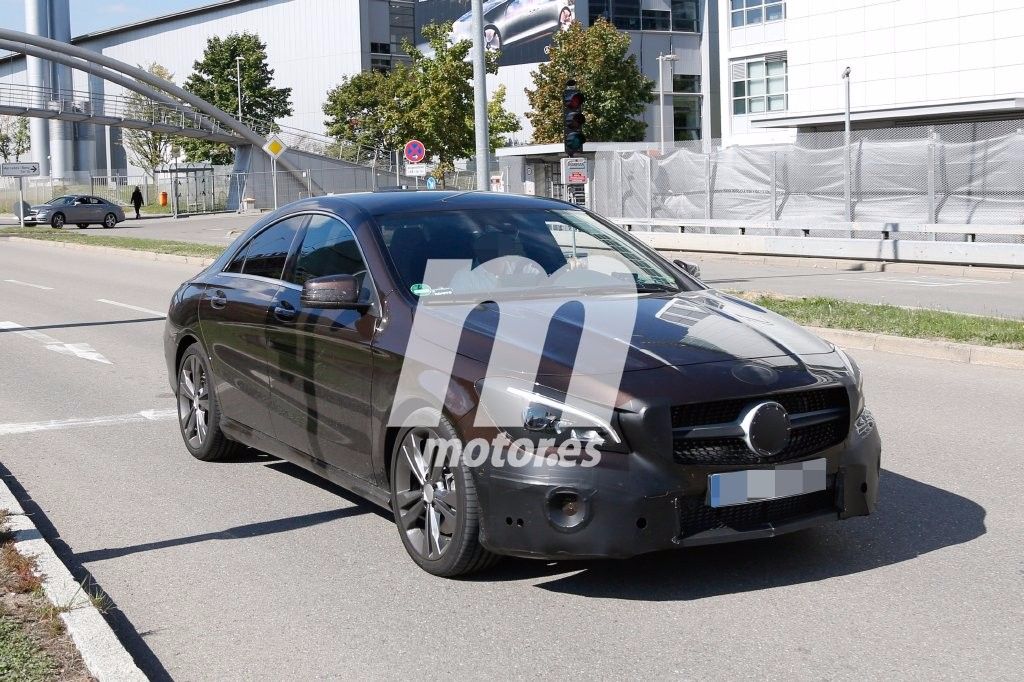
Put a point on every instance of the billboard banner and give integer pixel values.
(520, 29)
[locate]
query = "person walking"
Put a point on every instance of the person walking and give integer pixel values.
(137, 201)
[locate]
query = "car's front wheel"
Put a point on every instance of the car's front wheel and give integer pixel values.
(110, 220)
(435, 504)
(198, 410)
(57, 221)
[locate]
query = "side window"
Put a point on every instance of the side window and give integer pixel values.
(329, 248)
(268, 251)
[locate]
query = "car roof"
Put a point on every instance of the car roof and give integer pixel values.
(377, 203)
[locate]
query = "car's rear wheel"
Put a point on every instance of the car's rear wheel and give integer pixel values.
(435, 505)
(83, 225)
(57, 221)
(110, 220)
(198, 410)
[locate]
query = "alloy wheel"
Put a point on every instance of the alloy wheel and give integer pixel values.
(110, 220)
(193, 401)
(426, 496)
(58, 220)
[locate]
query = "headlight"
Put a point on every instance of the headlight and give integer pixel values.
(534, 413)
(858, 379)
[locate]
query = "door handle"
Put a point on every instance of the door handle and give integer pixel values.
(218, 300)
(285, 312)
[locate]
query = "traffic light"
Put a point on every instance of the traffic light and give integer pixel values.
(572, 107)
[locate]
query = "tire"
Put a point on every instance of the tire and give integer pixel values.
(492, 38)
(57, 221)
(109, 221)
(209, 444)
(83, 225)
(462, 553)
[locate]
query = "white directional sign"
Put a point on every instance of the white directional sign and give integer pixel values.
(19, 170)
(418, 170)
(574, 171)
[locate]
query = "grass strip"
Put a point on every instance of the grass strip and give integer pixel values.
(131, 243)
(820, 311)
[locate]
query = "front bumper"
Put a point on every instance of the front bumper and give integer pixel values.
(635, 503)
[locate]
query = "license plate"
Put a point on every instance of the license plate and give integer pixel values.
(757, 485)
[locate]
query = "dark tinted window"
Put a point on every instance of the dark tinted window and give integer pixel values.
(268, 251)
(329, 248)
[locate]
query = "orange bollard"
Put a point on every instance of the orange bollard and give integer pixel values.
(163, 198)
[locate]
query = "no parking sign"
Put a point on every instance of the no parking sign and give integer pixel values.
(415, 151)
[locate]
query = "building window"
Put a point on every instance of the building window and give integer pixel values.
(402, 24)
(685, 83)
(655, 20)
(382, 64)
(380, 48)
(684, 16)
(629, 15)
(685, 117)
(759, 85)
(747, 12)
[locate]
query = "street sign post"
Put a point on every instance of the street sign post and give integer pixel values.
(275, 147)
(20, 171)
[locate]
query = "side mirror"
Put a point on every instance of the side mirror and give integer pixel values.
(691, 269)
(332, 292)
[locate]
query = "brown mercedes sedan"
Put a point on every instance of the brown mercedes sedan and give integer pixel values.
(514, 375)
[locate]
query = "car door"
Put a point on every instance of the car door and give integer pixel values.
(233, 316)
(320, 381)
(78, 211)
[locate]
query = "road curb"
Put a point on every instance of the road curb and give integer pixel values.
(101, 650)
(131, 253)
(849, 265)
(949, 351)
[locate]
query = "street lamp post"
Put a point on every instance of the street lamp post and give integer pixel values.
(662, 58)
(846, 148)
(238, 79)
(480, 96)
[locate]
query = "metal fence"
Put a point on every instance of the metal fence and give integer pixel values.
(954, 174)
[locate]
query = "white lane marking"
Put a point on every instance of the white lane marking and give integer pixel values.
(80, 350)
(74, 423)
(921, 282)
(28, 284)
(132, 307)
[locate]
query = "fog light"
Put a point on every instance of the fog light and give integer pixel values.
(567, 509)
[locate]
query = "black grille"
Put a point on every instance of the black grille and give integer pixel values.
(723, 411)
(730, 451)
(696, 517)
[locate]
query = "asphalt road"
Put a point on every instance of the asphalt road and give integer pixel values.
(253, 569)
(978, 295)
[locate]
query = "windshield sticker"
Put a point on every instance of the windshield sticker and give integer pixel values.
(421, 290)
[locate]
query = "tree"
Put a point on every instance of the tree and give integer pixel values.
(147, 149)
(213, 78)
(365, 110)
(14, 137)
(430, 99)
(615, 91)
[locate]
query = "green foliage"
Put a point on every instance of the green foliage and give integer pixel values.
(14, 137)
(430, 99)
(213, 78)
(615, 90)
(20, 657)
(148, 150)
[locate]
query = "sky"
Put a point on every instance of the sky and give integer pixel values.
(94, 15)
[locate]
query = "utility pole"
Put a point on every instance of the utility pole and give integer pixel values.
(238, 78)
(846, 150)
(662, 58)
(480, 97)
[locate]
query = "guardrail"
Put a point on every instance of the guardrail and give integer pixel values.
(1002, 245)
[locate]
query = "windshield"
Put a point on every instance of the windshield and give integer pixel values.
(536, 250)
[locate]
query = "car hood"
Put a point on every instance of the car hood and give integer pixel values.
(688, 328)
